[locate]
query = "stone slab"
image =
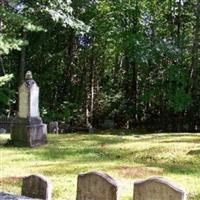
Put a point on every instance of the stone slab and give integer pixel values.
(24, 94)
(53, 127)
(7, 196)
(157, 188)
(96, 186)
(28, 135)
(34, 101)
(108, 124)
(2, 130)
(37, 186)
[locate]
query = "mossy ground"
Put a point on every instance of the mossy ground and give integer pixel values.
(126, 157)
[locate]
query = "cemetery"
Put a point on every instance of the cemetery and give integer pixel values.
(88, 152)
(126, 158)
(99, 100)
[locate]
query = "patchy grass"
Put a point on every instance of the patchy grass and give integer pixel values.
(124, 157)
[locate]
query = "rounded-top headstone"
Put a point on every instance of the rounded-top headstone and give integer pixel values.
(37, 186)
(157, 188)
(96, 186)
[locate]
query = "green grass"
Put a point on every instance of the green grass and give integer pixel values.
(126, 158)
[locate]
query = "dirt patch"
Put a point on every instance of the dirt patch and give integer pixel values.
(140, 172)
(10, 180)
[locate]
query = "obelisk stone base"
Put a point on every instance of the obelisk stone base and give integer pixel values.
(31, 133)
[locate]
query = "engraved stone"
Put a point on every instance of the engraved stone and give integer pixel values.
(2, 130)
(157, 188)
(96, 186)
(53, 127)
(23, 101)
(28, 99)
(7, 196)
(37, 186)
(34, 101)
(28, 129)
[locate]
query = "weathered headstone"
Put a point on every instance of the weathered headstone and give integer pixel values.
(157, 188)
(37, 186)
(96, 186)
(53, 127)
(7, 196)
(109, 124)
(29, 130)
(2, 130)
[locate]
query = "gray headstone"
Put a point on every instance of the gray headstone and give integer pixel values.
(7, 196)
(108, 124)
(53, 127)
(96, 186)
(2, 130)
(157, 188)
(37, 186)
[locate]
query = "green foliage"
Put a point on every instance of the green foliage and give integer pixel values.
(5, 93)
(7, 44)
(132, 60)
(63, 12)
(5, 79)
(180, 100)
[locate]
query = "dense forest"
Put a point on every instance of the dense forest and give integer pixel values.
(136, 62)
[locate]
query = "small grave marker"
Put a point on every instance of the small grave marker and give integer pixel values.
(157, 188)
(37, 186)
(96, 186)
(53, 127)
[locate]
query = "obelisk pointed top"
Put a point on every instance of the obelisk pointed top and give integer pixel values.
(28, 75)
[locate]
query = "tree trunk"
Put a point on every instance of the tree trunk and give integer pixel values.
(70, 57)
(22, 63)
(134, 91)
(195, 50)
(178, 20)
(194, 70)
(2, 72)
(90, 104)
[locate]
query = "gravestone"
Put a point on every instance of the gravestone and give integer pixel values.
(28, 129)
(7, 196)
(109, 124)
(2, 130)
(96, 186)
(53, 127)
(37, 186)
(157, 188)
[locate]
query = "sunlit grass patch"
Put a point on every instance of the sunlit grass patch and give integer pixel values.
(125, 157)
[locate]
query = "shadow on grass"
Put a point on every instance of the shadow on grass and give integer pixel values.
(68, 155)
(194, 152)
(83, 147)
(101, 158)
(183, 140)
(95, 150)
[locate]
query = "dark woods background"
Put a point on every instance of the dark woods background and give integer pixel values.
(134, 62)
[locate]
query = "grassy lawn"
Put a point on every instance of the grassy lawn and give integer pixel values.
(125, 158)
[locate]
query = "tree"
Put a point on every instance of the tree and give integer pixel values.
(137, 64)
